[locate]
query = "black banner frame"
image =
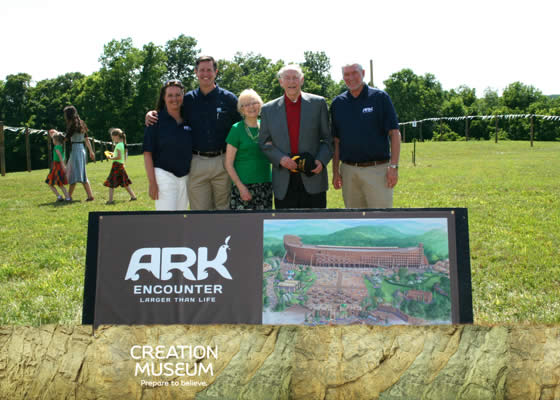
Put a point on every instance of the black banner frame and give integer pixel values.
(462, 282)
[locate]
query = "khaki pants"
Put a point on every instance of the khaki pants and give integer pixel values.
(209, 185)
(365, 187)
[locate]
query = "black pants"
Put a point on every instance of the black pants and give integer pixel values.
(297, 196)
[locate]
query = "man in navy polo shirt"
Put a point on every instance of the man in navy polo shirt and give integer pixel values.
(367, 140)
(210, 111)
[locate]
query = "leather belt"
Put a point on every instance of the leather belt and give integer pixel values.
(208, 153)
(366, 163)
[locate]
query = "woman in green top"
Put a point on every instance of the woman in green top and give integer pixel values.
(247, 166)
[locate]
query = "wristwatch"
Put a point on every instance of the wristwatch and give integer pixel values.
(395, 166)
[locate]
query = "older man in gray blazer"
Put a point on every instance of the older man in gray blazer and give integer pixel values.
(294, 124)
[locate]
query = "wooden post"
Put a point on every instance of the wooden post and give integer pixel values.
(2, 150)
(496, 134)
(414, 153)
(93, 148)
(404, 133)
(532, 129)
(49, 151)
(466, 128)
(421, 138)
(27, 149)
(371, 73)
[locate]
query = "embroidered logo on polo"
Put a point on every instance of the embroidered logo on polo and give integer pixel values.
(367, 110)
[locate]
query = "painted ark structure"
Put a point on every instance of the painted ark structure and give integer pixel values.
(353, 256)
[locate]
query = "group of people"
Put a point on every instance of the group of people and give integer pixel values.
(214, 151)
(210, 149)
(74, 171)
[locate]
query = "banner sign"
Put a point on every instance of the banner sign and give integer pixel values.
(378, 267)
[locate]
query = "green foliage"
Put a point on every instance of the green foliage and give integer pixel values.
(273, 247)
(519, 97)
(151, 73)
(16, 159)
(250, 71)
(15, 94)
(316, 68)
(414, 97)
(181, 56)
(445, 134)
(49, 97)
(128, 82)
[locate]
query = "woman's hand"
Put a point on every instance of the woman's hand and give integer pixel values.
(244, 193)
(91, 155)
(153, 190)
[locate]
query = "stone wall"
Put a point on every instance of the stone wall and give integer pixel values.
(288, 362)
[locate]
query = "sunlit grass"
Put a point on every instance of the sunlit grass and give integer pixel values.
(512, 193)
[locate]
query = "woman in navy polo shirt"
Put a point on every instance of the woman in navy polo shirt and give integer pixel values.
(168, 150)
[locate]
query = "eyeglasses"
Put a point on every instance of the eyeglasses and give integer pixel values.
(254, 103)
(173, 82)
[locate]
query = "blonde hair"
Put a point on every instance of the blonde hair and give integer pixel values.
(58, 138)
(248, 94)
(119, 132)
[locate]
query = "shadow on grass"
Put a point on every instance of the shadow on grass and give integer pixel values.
(58, 203)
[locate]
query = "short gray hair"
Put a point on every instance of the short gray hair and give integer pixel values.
(290, 67)
(360, 68)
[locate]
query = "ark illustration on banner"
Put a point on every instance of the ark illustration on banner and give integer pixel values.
(362, 271)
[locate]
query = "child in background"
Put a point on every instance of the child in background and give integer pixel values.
(57, 174)
(118, 176)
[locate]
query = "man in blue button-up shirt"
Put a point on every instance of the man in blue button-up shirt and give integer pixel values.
(367, 141)
(210, 111)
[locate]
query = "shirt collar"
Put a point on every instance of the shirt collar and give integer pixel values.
(212, 93)
(288, 101)
(363, 93)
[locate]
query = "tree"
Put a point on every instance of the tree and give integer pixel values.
(414, 97)
(518, 96)
(316, 68)
(403, 275)
(119, 74)
(467, 94)
(15, 99)
(250, 71)
(49, 97)
(181, 58)
(151, 73)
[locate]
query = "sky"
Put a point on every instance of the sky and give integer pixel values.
(412, 226)
(481, 44)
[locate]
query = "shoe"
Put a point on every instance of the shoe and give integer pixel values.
(68, 200)
(110, 202)
(90, 199)
(59, 199)
(133, 198)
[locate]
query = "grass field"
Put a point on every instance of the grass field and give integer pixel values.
(512, 193)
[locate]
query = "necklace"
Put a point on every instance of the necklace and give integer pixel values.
(249, 133)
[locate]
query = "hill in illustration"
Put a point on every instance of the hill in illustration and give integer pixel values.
(434, 241)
